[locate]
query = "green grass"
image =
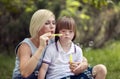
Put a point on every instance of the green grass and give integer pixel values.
(109, 56)
(6, 66)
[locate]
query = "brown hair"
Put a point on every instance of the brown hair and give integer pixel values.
(65, 22)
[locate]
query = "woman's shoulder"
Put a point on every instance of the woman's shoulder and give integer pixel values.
(24, 43)
(26, 40)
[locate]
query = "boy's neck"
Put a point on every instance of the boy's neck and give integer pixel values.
(65, 45)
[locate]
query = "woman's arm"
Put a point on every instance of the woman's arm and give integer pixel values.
(77, 67)
(42, 71)
(27, 62)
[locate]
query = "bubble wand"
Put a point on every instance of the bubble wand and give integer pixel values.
(70, 58)
(56, 34)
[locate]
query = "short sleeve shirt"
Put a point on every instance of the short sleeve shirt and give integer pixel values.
(58, 60)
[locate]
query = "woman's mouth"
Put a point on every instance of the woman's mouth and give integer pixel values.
(52, 32)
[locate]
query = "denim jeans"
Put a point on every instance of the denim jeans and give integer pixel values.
(32, 76)
(87, 74)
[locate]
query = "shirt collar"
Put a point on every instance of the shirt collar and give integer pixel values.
(60, 49)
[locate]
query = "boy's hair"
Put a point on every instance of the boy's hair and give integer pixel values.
(38, 20)
(65, 22)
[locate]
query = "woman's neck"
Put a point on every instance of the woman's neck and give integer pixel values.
(35, 42)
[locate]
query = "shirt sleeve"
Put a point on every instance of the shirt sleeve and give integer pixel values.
(48, 55)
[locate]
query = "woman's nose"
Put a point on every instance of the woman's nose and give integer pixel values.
(52, 26)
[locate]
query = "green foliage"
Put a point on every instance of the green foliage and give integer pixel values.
(97, 3)
(83, 16)
(70, 8)
(16, 7)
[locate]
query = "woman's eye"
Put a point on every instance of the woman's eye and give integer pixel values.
(53, 23)
(47, 23)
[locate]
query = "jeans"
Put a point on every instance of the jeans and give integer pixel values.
(34, 75)
(87, 74)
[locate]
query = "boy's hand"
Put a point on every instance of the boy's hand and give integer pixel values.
(75, 67)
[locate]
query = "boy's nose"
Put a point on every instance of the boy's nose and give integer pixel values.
(67, 32)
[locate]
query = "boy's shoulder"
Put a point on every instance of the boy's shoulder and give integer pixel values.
(51, 45)
(77, 46)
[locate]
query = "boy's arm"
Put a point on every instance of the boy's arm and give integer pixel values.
(42, 71)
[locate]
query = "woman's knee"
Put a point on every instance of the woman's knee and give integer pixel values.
(100, 68)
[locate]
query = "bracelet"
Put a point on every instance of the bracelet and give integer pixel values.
(36, 58)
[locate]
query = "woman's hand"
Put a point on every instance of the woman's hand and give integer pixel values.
(44, 39)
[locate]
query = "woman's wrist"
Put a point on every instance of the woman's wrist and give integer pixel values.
(35, 57)
(41, 47)
(84, 65)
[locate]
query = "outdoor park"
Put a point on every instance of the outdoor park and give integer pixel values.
(98, 30)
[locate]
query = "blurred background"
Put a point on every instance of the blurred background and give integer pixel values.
(98, 29)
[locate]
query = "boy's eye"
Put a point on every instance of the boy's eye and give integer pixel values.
(70, 31)
(63, 31)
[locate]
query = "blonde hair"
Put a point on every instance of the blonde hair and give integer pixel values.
(38, 20)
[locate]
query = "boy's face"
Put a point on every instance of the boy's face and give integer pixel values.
(67, 35)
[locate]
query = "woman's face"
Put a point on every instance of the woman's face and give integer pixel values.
(49, 26)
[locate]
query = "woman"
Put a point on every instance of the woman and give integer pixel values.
(29, 52)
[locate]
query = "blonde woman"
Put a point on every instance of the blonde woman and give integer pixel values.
(29, 52)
